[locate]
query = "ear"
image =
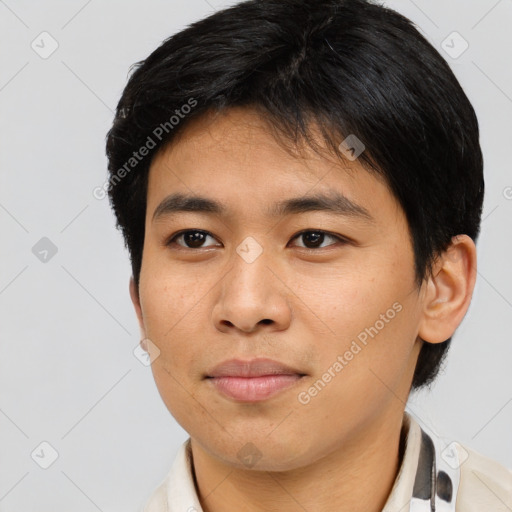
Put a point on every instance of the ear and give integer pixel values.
(134, 294)
(449, 290)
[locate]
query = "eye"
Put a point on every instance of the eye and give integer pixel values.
(196, 238)
(315, 238)
(192, 238)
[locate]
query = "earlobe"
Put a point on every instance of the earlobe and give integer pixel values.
(449, 290)
(134, 295)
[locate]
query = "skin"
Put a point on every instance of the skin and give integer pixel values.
(201, 306)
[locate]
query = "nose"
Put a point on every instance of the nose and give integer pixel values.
(252, 296)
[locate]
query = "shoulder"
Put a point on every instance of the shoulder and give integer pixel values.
(484, 483)
(158, 500)
(177, 492)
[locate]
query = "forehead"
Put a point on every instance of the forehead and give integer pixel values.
(235, 157)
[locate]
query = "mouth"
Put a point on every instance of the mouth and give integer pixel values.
(254, 380)
(259, 367)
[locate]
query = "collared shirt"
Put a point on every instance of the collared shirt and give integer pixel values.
(432, 478)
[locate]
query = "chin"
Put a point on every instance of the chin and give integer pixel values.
(261, 453)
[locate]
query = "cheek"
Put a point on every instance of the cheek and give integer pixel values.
(370, 320)
(169, 295)
(355, 381)
(171, 313)
(350, 300)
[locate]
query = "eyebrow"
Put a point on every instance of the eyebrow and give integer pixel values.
(335, 203)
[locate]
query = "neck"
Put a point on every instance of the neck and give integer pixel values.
(355, 477)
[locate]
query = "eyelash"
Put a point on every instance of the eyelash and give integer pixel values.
(171, 240)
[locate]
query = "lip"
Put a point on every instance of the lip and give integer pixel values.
(258, 367)
(254, 380)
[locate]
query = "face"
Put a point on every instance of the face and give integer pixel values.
(324, 288)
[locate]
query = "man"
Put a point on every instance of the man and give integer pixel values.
(300, 187)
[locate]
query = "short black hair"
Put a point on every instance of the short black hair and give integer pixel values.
(350, 67)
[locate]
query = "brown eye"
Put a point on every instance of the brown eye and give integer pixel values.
(191, 239)
(313, 239)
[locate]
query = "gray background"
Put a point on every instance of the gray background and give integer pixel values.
(68, 375)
